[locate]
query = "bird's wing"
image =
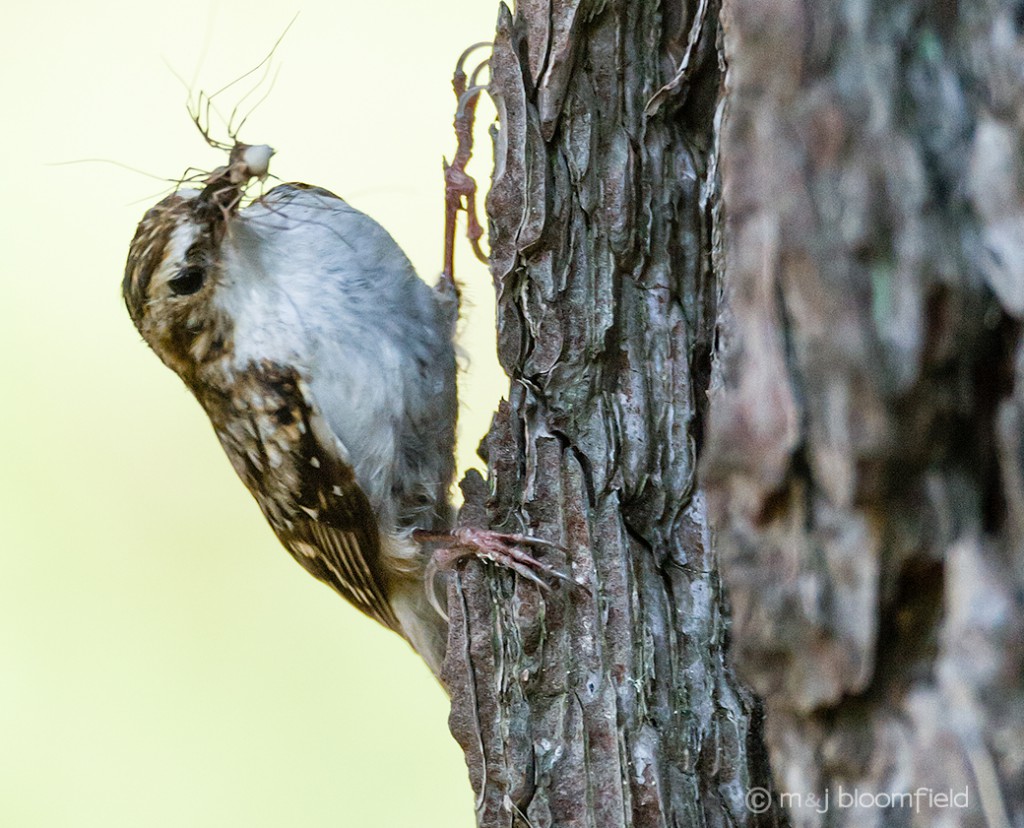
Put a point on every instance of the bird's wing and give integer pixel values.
(299, 474)
(338, 543)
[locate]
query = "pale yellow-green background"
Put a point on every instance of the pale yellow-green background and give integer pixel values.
(163, 662)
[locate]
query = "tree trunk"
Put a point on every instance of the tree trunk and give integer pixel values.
(850, 301)
(610, 702)
(865, 461)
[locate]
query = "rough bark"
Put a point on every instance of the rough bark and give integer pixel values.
(608, 703)
(866, 442)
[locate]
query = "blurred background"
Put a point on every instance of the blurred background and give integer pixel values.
(163, 662)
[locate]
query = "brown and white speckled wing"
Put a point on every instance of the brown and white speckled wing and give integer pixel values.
(298, 474)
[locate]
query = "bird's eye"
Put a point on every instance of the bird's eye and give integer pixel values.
(188, 280)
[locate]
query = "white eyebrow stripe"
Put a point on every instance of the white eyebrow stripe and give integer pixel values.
(182, 238)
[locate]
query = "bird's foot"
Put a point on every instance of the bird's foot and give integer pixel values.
(459, 186)
(504, 549)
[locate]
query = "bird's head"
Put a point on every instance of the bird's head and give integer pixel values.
(171, 275)
(174, 264)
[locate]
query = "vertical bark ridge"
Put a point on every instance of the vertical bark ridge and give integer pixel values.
(610, 703)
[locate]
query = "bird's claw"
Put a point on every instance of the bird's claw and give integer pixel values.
(507, 550)
(460, 71)
(460, 187)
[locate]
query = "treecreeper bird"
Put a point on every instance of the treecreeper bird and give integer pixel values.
(327, 369)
